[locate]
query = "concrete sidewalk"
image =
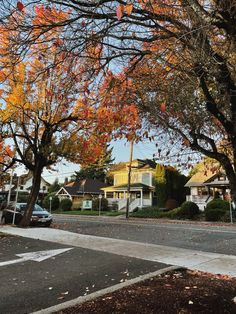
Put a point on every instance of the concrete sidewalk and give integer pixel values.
(196, 260)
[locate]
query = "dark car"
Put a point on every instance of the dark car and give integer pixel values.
(39, 216)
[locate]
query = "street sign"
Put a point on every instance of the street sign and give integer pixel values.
(35, 256)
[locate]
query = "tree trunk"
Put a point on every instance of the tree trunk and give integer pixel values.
(231, 175)
(32, 197)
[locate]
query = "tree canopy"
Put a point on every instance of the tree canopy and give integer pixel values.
(175, 59)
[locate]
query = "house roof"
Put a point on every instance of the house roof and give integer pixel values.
(199, 178)
(205, 176)
(85, 186)
(91, 186)
(132, 186)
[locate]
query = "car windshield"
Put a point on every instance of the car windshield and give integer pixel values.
(38, 208)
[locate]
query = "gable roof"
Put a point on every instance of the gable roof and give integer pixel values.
(92, 186)
(202, 176)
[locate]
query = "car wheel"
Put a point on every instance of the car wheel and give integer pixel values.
(48, 224)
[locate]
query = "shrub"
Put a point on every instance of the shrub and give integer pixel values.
(216, 210)
(171, 204)
(173, 214)
(104, 204)
(214, 214)
(188, 210)
(54, 202)
(147, 212)
(65, 204)
(218, 203)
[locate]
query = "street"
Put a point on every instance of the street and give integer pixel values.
(36, 274)
(30, 286)
(208, 238)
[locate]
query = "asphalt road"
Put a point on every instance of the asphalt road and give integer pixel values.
(30, 286)
(215, 239)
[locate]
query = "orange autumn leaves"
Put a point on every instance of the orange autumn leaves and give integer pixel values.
(6, 153)
(121, 9)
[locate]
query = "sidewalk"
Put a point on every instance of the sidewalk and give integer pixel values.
(196, 260)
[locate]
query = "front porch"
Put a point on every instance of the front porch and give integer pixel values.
(202, 195)
(141, 195)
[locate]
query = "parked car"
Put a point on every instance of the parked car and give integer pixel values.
(40, 216)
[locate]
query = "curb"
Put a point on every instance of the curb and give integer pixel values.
(151, 220)
(94, 295)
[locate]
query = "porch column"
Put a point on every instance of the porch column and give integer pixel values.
(105, 194)
(141, 198)
(150, 197)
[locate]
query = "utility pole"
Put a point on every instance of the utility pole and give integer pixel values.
(129, 178)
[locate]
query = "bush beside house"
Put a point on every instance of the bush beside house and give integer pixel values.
(104, 204)
(216, 210)
(65, 204)
(55, 203)
(188, 210)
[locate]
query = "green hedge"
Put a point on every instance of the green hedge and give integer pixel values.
(218, 203)
(65, 204)
(104, 204)
(214, 214)
(216, 210)
(55, 203)
(188, 210)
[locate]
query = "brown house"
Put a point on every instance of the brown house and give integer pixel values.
(83, 190)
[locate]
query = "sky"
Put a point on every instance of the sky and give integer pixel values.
(121, 150)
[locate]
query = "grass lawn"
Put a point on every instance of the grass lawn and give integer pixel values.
(88, 213)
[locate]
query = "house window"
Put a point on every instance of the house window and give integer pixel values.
(21, 187)
(146, 178)
(109, 194)
(134, 177)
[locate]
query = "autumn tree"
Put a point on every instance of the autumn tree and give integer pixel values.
(180, 55)
(97, 170)
(50, 112)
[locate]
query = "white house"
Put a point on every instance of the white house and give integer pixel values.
(205, 184)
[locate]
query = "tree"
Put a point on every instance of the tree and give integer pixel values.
(97, 170)
(52, 114)
(169, 185)
(54, 187)
(160, 180)
(183, 48)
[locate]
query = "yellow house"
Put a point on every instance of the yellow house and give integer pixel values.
(141, 188)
